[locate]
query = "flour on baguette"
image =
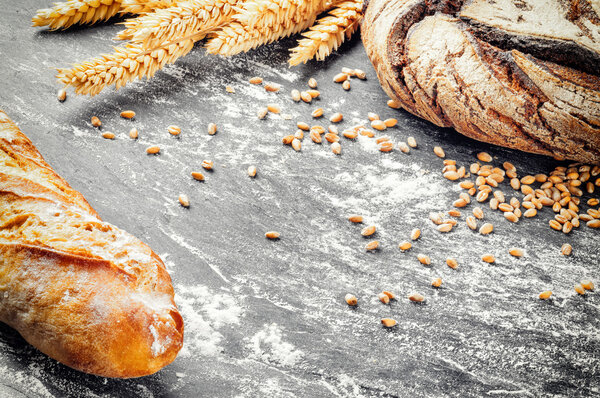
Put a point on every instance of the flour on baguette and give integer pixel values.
(81, 290)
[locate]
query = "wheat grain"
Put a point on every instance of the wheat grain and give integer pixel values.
(71, 12)
(126, 64)
(328, 33)
(144, 6)
(262, 22)
(186, 18)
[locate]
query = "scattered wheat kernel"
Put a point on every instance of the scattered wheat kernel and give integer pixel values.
(445, 227)
(545, 295)
(437, 282)
(133, 133)
(451, 175)
(312, 83)
(516, 252)
(406, 245)
(452, 263)
(378, 125)
(128, 114)
(579, 289)
(346, 85)
(488, 258)
(207, 164)
(336, 117)
(108, 136)
(593, 223)
(340, 78)
(355, 218)
(390, 122)
(296, 144)
(153, 150)
(287, 140)
(361, 74)
(96, 121)
(184, 200)
(436, 218)
(486, 229)
(381, 139)
(317, 113)
(256, 80)
(296, 97)
(478, 212)
(299, 135)
(368, 231)
(566, 249)
(229, 89)
(383, 298)
(415, 234)
(351, 300)
(197, 176)
(439, 152)
(252, 171)
(332, 137)
(315, 137)
(471, 223)
(273, 108)
(528, 180)
(61, 95)
(411, 142)
(386, 146)
(373, 245)
(587, 285)
(272, 235)
(482, 197)
(336, 148)
(555, 225)
(303, 126)
(333, 129)
(403, 147)
(272, 87)
(393, 104)
(174, 130)
(454, 213)
(416, 297)
(313, 93)
(305, 97)
(484, 157)
(367, 133)
(424, 259)
(262, 113)
(388, 322)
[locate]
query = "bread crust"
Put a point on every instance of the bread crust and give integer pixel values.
(80, 290)
(440, 65)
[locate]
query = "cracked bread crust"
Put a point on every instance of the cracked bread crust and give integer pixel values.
(430, 58)
(80, 290)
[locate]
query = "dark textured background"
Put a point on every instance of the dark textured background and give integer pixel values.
(267, 318)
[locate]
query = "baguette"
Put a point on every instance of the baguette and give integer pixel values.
(524, 75)
(80, 290)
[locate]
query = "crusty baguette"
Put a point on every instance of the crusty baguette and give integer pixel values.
(522, 74)
(79, 289)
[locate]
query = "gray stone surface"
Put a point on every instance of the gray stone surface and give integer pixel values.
(267, 318)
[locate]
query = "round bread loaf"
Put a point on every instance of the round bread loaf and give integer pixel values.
(521, 74)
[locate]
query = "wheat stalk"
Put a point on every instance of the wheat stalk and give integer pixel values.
(65, 14)
(329, 33)
(127, 63)
(266, 25)
(184, 19)
(144, 6)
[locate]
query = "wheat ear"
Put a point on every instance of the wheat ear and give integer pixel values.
(65, 14)
(144, 6)
(127, 63)
(239, 37)
(274, 13)
(185, 19)
(329, 33)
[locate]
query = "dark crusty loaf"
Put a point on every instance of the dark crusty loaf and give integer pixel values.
(522, 74)
(81, 290)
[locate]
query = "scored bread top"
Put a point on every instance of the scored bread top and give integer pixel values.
(56, 250)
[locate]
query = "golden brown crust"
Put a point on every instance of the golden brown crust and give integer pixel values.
(440, 69)
(80, 290)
